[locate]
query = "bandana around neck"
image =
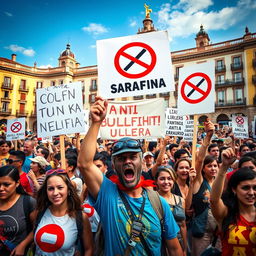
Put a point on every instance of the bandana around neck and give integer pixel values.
(142, 183)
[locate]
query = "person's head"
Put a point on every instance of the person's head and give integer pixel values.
(251, 154)
(42, 151)
(165, 178)
(243, 149)
(38, 164)
(240, 192)
(148, 157)
(56, 159)
(100, 161)
(74, 139)
(247, 161)
(71, 164)
(57, 190)
(67, 144)
(172, 149)
(16, 158)
(127, 161)
(181, 154)
(213, 150)
(181, 168)
(5, 147)
(9, 182)
(210, 166)
(35, 140)
(152, 146)
(28, 147)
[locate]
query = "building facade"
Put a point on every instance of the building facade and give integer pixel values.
(235, 86)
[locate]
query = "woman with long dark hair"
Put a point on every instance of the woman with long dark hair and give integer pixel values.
(235, 212)
(59, 218)
(15, 214)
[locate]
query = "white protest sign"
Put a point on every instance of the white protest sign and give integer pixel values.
(188, 130)
(240, 126)
(134, 65)
(60, 110)
(196, 90)
(174, 122)
(15, 129)
(86, 121)
(136, 119)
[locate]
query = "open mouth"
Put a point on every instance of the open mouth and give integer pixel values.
(129, 174)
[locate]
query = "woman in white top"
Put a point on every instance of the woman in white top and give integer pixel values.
(57, 227)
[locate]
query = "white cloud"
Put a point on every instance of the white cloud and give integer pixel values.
(46, 66)
(133, 23)
(16, 48)
(95, 29)
(93, 46)
(184, 19)
(8, 14)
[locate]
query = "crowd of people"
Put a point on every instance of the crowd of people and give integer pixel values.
(128, 196)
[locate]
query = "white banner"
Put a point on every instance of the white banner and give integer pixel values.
(136, 119)
(196, 90)
(60, 110)
(240, 126)
(175, 124)
(188, 130)
(15, 129)
(134, 65)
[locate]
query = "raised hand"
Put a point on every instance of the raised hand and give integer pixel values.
(99, 110)
(228, 157)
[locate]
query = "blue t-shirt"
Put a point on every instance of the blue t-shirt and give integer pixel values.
(116, 222)
(26, 164)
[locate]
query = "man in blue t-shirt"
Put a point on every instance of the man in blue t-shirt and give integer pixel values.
(106, 196)
(29, 153)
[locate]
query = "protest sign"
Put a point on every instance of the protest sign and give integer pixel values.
(175, 124)
(240, 126)
(254, 128)
(136, 119)
(60, 110)
(134, 65)
(15, 129)
(196, 91)
(188, 130)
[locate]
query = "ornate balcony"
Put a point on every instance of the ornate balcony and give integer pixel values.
(151, 96)
(93, 88)
(219, 69)
(6, 99)
(237, 66)
(229, 103)
(23, 88)
(5, 112)
(229, 82)
(7, 86)
(164, 94)
(139, 97)
(20, 113)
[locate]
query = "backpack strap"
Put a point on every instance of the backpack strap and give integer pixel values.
(38, 218)
(80, 226)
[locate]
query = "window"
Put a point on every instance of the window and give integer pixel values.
(6, 94)
(239, 95)
(22, 96)
(237, 77)
(237, 61)
(221, 97)
(52, 83)
(219, 64)
(177, 72)
(94, 84)
(7, 81)
(5, 106)
(39, 85)
(92, 98)
(220, 79)
(61, 81)
(22, 84)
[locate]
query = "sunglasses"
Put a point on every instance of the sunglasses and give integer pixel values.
(129, 143)
(11, 161)
(55, 171)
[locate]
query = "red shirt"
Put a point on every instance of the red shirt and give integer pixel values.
(241, 239)
(24, 181)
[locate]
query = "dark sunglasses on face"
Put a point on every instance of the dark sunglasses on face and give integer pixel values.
(130, 143)
(55, 171)
(11, 161)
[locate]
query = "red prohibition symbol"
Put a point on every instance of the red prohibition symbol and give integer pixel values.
(239, 120)
(16, 127)
(135, 60)
(187, 83)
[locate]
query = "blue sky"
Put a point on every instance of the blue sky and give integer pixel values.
(38, 31)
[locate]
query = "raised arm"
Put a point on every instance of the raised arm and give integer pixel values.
(219, 210)
(92, 174)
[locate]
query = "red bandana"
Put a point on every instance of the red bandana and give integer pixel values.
(142, 183)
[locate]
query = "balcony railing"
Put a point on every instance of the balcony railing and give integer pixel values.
(7, 86)
(254, 79)
(23, 88)
(176, 77)
(236, 66)
(5, 112)
(220, 69)
(150, 96)
(5, 99)
(93, 88)
(164, 94)
(237, 102)
(21, 113)
(229, 82)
